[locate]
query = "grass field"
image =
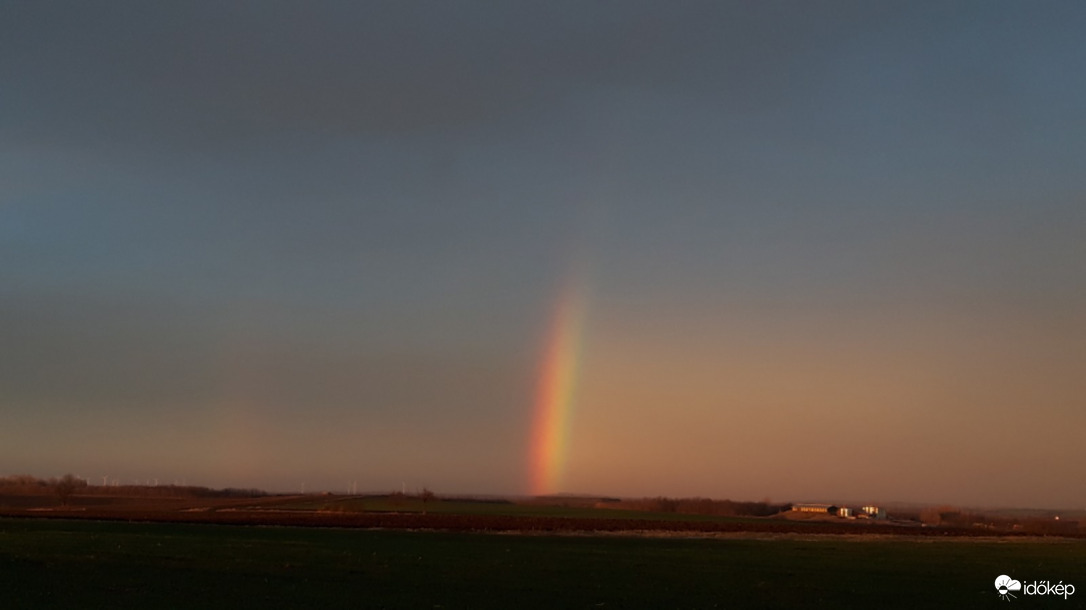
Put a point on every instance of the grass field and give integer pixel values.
(412, 504)
(88, 564)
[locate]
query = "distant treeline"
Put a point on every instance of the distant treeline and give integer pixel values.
(69, 485)
(953, 516)
(703, 506)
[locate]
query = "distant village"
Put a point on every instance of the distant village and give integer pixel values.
(845, 512)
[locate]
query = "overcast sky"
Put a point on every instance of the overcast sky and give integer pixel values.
(827, 250)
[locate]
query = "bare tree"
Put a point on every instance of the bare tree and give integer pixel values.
(426, 496)
(66, 486)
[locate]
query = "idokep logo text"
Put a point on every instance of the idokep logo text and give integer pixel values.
(1006, 586)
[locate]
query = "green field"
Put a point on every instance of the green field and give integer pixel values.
(411, 504)
(86, 564)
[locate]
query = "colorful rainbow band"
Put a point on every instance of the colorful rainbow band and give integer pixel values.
(555, 396)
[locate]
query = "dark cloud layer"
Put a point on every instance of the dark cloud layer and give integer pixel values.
(202, 73)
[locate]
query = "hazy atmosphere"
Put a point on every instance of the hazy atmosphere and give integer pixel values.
(789, 250)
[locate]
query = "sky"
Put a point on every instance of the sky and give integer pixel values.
(798, 250)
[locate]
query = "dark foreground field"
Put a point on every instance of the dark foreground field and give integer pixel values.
(90, 564)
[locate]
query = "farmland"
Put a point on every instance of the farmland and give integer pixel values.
(151, 548)
(398, 511)
(82, 563)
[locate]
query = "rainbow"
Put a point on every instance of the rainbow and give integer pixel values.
(555, 395)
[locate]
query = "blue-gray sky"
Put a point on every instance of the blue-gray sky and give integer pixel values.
(828, 249)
